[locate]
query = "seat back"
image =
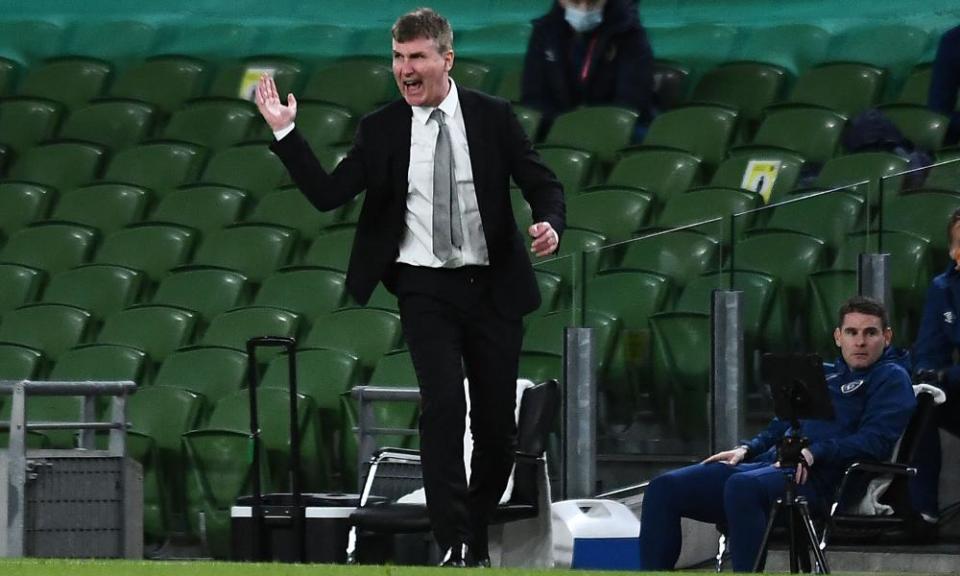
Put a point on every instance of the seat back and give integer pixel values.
(539, 407)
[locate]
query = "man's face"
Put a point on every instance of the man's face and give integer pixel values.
(861, 339)
(421, 71)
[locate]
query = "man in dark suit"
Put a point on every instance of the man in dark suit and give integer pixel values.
(437, 228)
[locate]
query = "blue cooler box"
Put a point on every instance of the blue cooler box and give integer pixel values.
(595, 535)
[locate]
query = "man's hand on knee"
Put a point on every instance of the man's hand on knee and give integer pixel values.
(731, 457)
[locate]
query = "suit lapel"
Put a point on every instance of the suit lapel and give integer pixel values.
(399, 139)
(473, 121)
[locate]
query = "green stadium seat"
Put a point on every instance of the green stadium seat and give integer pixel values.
(600, 130)
(629, 297)
(211, 372)
(617, 214)
(320, 124)
(394, 370)
(704, 131)
(159, 416)
(206, 291)
(946, 176)
(669, 83)
(680, 256)
(51, 329)
(681, 344)
(150, 248)
(331, 249)
(731, 172)
(894, 47)
(829, 217)
(9, 70)
(789, 256)
(50, 247)
(699, 46)
(70, 81)
(308, 292)
(550, 286)
(22, 203)
(663, 173)
(111, 40)
(575, 241)
(829, 289)
(920, 212)
(323, 376)
(365, 333)
(158, 166)
(706, 203)
(844, 87)
(911, 268)
(19, 362)
(206, 209)
(31, 40)
(573, 167)
(192, 36)
(473, 74)
(812, 133)
(233, 79)
(498, 38)
(383, 299)
(917, 86)
(25, 122)
(106, 207)
(306, 40)
(529, 119)
(545, 334)
(60, 165)
(220, 469)
(113, 124)
(163, 81)
(157, 330)
(853, 168)
(362, 83)
(253, 168)
(233, 328)
(793, 46)
(21, 285)
(289, 207)
(214, 124)
(540, 366)
(101, 289)
(103, 362)
(256, 251)
(747, 87)
(922, 126)
(330, 156)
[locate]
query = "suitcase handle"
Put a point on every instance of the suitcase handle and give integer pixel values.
(290, 346)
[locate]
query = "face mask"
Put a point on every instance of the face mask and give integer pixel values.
(583, 20)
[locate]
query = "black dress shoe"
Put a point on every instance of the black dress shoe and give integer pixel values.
(455, 557)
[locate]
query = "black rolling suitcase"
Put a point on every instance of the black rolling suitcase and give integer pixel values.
(277, 526)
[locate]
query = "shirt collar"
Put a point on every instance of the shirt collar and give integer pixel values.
(449, 106)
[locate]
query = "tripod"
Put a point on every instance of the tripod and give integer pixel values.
(797, 512)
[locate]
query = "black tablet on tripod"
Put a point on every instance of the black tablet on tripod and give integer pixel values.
(799, 390)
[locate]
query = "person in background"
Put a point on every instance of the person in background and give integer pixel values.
(945, 83)
(588, 53)
(938, 340)
(872, 399)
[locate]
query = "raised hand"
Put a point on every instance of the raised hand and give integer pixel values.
(271, 108)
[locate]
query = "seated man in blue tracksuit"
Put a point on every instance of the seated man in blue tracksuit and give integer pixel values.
(937, 340)
(873, 401)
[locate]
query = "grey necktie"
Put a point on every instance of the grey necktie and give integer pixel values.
(446, 209)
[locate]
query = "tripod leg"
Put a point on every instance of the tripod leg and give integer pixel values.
(818, 555)
(761, 560)
(792, 539)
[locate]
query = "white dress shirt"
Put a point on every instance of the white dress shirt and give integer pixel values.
(416, 246)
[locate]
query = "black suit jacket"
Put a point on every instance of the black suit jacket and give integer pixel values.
(378, 163)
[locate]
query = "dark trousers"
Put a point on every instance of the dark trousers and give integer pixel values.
(738, 496)
(453, 329)
(924, 487)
